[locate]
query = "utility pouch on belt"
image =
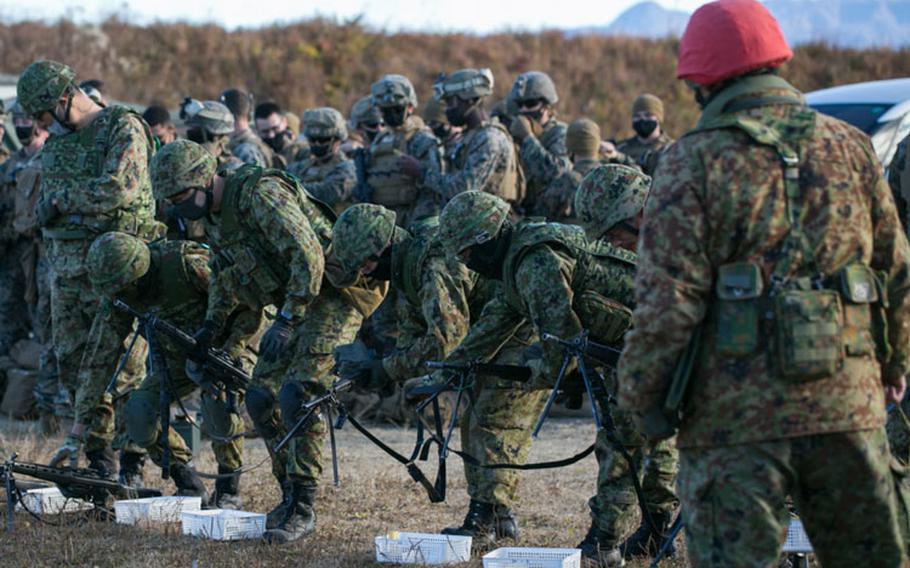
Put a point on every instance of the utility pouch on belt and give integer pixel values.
(739, 288)
(254, 272)
(606, 320)
(860, 290)
(808, 333)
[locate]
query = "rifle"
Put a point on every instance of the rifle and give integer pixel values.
(82, 484)
(516, 373)
(328, 400)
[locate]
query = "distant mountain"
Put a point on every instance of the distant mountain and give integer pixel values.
(846, 23)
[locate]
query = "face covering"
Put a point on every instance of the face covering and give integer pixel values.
(383, 270)
(442, 131)
(320, 150)
(190, 209)
(394, 116)
(534, 115)
(455, 116)
(644, 127)
(280, 141)
(487, 258)
(25, 133)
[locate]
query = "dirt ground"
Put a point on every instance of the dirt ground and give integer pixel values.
(376, 496)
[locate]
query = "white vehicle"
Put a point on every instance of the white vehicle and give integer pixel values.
(881, 109)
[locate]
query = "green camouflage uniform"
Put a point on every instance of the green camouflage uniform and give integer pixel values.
(543, 158)
(271, 237)
(898, 426)
(249, 148)
(767, 416)
(99, 177)
(176, 288)
(14, 311)
(330, 181)
(644, 155)
(557, 199)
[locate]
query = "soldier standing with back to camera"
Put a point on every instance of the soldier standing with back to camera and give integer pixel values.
(771, 246)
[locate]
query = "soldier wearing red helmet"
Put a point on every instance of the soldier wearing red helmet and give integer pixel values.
(773, 265)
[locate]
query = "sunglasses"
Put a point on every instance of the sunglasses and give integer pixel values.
(528, 104)
(320, 141)
(373, 125)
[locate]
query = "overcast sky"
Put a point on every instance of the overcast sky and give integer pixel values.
(428, 15)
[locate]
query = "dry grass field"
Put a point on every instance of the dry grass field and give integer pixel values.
(376, 496)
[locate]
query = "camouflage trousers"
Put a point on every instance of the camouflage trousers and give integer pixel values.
(38, 296)
(614, 507)
(303, 371)
(73, 308)
(14, 316)
(898, 428)
(734, 500)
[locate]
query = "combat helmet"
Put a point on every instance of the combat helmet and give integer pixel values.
(361, 231)
(115, 260)
(534, 85)
(608, 195)
(363, 111)
(214, 117)
(466, 84)
(324, 122)
(471, 218)
(42, 84)
(393, 90)
(435, 111)
(179, 166)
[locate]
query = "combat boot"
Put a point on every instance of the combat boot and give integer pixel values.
(227, 491)
(479, 523)
(188, 482)
(645, 542)
(277, 515)
(598, 550)
(131, 465)
(505, 522)
(103, 462)
(300, 520)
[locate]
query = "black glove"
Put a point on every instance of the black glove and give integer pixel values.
(45, 212)
(276, 339)
(369, 375)
(205, 337)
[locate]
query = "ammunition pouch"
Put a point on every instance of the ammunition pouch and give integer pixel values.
(391, 188)
(606, 320)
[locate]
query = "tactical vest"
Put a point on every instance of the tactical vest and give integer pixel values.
(174, 291)
(28, 190)
(77, 158)
(815, 321)
(602, 282)
(512, 185)
(408, 257)
(392, 188)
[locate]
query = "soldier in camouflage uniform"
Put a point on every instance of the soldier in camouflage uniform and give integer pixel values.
(244, 143)
(434, 114)
(405, 134)
(583, 145)
(94, 179)
(609, 204)
(484, 159)
(539, 135)
(437, 299)
(770, 240)
(364, 125)
(650, 141)
(4, 150)
(326, 173)
(270, 241)
(274, 128)
(171, 278)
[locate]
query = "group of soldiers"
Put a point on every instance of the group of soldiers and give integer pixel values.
(766, 260)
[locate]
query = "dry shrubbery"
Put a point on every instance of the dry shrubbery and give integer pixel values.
(325, 63)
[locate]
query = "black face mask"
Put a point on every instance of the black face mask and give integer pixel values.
(320, 150)
(279, 141)
(383, 270)
(487, 258)
(442, 131)
(394, 116)
(188, 209)
(455, 116)
(644, 127)
(701, 98)
(534, 115)
(25, 133)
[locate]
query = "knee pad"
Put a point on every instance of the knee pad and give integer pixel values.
(140, 414)
(290, 398)
(259, 404)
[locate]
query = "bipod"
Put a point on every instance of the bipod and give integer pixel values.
(461, 380)
(668, 540)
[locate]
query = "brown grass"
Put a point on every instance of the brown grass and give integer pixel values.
(318, 63)
(375, 497)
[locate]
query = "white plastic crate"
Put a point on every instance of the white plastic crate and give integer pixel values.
(797, 539)
(533, 558)
(155, 509)
(50, 501)
(420, 548)
(223, 524)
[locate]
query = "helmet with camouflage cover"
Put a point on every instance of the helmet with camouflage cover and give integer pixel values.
(434, 111)
(324, 122)
(212, 116)
(608, 195)
(466, 84)
(361, 231)
(363, 111)
(42, 84)
(393, 90)
(179, 166)
(115, 260)
(534, 85)
(471, 218)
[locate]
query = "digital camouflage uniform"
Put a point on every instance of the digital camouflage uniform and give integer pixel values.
(557, 199)
(249, 148)
(644, 155)
(172, 280)
(898, 425)
(767, 416)
(14, 248)
(98, 178)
